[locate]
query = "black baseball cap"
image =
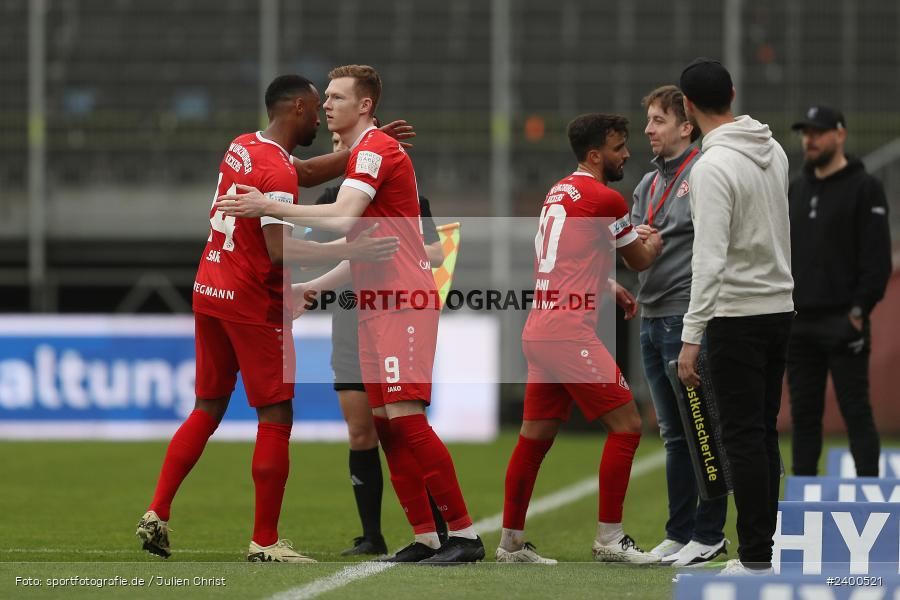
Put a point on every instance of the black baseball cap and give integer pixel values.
(821, 117)
(706, 83)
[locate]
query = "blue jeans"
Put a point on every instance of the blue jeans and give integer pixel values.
(689, 517)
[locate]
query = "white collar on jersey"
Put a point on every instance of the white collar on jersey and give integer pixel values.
(583, 173)
(260, 137)
(359, 139)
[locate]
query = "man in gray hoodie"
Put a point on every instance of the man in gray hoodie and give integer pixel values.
(694, 530)
(740, 296)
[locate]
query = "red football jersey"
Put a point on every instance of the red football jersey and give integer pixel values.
(236, 280)
(582, 222)
(380, 167)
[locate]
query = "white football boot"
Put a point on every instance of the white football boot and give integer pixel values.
(623, 551)
(526, 555)
(280, 551)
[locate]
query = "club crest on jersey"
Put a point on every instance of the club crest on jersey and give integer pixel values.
(683, 189)
(368, 163)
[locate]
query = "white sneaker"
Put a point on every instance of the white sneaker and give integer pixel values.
(280, 551)
(624, 550)
(695, 553)
(526, 555)
(666, 548)
(735, 567)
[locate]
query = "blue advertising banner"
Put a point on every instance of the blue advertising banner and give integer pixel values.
(787, 587)
(112, 377)
(837, 489)
(840, 463)
(837, 538)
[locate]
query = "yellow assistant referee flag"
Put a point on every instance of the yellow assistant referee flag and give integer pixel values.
(443, 275)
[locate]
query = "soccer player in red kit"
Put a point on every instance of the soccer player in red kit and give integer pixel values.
(239, 313)
(398, 313)
(582, 221)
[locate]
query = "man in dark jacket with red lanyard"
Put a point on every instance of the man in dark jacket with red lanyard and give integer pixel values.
(841, 257)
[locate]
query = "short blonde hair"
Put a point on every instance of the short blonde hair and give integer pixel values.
(367, 81)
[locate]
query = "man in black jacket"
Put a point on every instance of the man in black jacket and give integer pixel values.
(841, 262)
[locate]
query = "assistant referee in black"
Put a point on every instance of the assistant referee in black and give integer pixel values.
(841, 262)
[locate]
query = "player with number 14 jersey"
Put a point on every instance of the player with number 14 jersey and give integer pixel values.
(236, 280)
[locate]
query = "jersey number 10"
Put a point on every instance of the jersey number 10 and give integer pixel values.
(553, 217)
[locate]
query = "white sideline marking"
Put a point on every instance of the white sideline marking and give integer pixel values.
(547, 503)
(333, 582)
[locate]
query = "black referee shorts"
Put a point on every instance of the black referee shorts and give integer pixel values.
(345, 350)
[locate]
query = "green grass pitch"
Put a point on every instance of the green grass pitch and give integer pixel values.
(70, 509)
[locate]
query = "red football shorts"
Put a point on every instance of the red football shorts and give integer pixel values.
(263, 354)
(396, 355)
(560, 372)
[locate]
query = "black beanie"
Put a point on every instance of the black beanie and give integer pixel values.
(707, 84)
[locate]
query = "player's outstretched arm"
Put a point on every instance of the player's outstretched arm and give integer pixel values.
(317, 170)
(284, 249)
(640, 253)
(339, 216)
(305, 293)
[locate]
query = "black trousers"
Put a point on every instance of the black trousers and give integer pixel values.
(821, 343)
(747, 360)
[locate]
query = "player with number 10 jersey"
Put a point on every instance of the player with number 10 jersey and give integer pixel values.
(583, 222)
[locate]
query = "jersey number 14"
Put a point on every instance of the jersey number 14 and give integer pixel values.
(220, 222)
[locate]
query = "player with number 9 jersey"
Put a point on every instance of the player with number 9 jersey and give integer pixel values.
(398, 301)
(236, 280)
(380, 167)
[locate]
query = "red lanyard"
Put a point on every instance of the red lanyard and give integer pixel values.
(651, 211)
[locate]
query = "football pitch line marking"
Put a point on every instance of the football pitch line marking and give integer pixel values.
(550, 502)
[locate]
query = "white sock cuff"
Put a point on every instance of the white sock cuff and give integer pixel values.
(468, 533)
(609, 533)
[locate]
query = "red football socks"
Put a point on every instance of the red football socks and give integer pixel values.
(406, 477)
(520, 477)
(436, 468)
(271, 463)
(184, 450)
(615, 471)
